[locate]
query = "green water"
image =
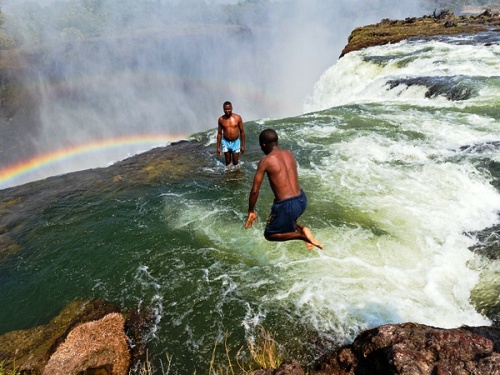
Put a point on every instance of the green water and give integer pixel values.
(397, 187)
(181, 249)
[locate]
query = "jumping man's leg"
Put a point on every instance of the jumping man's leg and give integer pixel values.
(303, 233)
(310, 240)
(281, 237)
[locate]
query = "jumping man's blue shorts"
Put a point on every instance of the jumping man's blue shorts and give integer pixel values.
(284, 214)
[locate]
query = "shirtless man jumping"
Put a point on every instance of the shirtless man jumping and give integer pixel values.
(231, 136)
(289, 199)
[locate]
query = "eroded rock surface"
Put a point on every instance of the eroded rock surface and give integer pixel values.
(90, 337)
(414, 349)
(100, 344)
(29, 350)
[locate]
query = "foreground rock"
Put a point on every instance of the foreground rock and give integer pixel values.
(411, 348)
(87, 337)
(390, 31)
(100, 344)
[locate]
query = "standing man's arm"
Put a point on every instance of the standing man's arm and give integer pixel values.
(242, 135)
(254, 194)
(219, 137)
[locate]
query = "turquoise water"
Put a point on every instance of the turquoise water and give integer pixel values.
(398, 184)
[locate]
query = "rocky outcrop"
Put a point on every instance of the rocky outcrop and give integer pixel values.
(414, 349)
(29, 350)
(418, 349)
(446, 23)
(100, 344)
(90, 337)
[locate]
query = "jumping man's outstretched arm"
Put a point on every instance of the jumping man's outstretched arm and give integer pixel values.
(254, 194)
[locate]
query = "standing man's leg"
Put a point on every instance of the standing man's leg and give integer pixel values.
(227, 156)
(235, 150)
(236, 158)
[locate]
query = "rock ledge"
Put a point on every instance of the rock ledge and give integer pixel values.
(446, 23)
(410, 348)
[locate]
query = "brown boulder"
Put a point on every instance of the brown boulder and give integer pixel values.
(410, 349)
(29, 350)
(100, 344)
(415, 349)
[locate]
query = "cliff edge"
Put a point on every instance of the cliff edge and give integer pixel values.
(445, 23)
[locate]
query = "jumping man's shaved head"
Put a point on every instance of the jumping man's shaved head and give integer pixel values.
(268, 136)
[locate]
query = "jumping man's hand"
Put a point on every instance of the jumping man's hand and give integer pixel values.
(252, 216)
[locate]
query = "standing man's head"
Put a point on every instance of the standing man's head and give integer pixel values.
(228, 108)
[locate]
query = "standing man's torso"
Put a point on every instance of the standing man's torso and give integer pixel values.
(230, 126)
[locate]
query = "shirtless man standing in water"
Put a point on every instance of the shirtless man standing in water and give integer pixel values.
(231, 136)
(289, 199)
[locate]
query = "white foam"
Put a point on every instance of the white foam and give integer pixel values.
(356, 80)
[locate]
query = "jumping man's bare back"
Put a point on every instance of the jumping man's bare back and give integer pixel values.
(281, 169)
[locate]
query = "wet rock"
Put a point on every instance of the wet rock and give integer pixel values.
(138, 326)
(96, 332)
(98, 345)
(488, 242)
(29, 350)
(412, 348)
(454, 89)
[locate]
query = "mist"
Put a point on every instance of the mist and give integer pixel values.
(100, 70)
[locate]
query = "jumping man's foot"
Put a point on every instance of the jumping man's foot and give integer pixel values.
(311, 242)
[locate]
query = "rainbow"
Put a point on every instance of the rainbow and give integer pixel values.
(21, 170)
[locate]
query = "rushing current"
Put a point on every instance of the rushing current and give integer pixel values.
(399, 154)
